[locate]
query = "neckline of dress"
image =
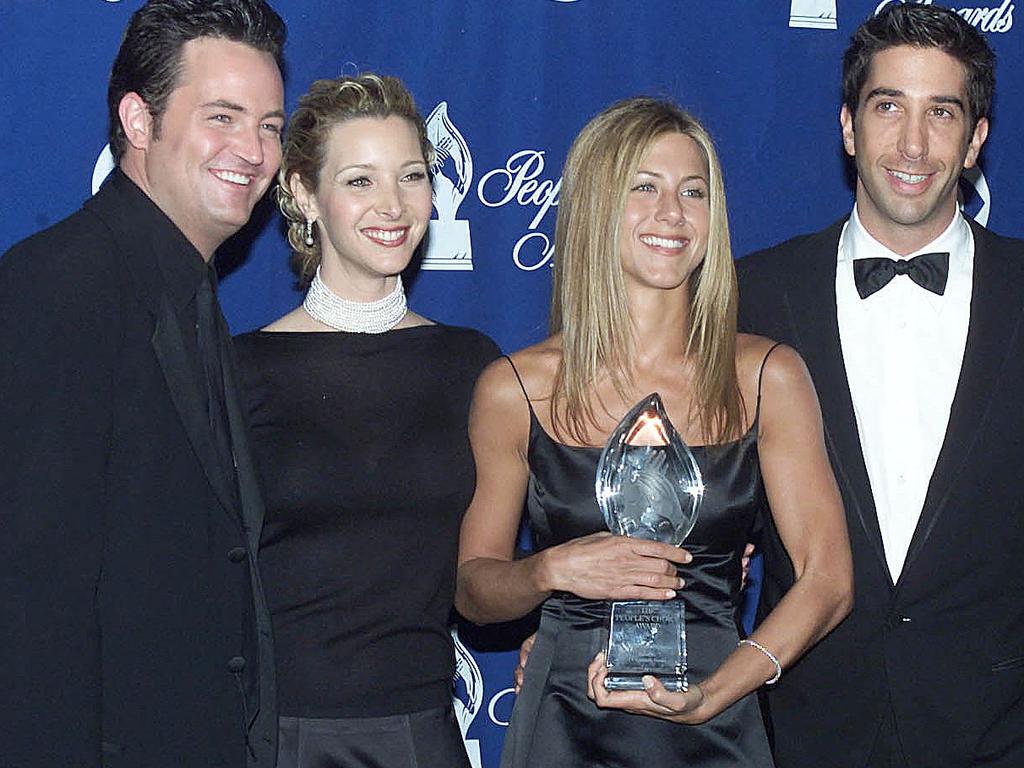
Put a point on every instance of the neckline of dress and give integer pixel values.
(751, 432)
(349, 334)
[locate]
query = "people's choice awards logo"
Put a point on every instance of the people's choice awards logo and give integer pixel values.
(468, 696)
(449, 245)
(975, 196)
(813, 14)
(104, 165)
(522, 181)
(996, 17)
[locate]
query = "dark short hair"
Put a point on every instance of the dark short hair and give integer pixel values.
(922, 26)
(149, 59)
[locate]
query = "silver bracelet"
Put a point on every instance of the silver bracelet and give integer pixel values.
(771, 657)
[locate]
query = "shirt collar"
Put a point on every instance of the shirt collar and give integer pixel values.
(956, 239)
(180, 263)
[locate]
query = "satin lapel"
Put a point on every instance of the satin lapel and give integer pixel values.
(812, 306)
(188, 399)
(248, 485)
(996, 312)
(154, 248)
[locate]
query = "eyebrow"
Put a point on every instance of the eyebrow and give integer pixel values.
(371, 166)
(408, 163)
(692, 177)
(225, 104)
(896, 93)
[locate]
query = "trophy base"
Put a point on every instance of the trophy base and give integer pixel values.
(646, 637)
(676, 684)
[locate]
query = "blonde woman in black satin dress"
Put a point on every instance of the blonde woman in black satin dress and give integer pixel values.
(645, 301)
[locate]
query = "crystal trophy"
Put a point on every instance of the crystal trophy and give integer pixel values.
(648, 486)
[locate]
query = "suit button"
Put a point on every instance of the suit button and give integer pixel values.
(236, 555)
(896, 621)
(236, 664)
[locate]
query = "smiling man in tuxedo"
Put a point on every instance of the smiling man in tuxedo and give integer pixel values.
(909, 316)
(135, 628)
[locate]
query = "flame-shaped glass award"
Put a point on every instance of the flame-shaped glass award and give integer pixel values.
(648, 486)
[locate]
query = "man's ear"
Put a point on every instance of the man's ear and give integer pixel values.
(846, 121)
(136, 120)
(977, 141)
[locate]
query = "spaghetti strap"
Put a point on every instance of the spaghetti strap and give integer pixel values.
(522, 386)
(760, 376)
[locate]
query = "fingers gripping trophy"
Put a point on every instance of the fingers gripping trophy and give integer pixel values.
(648, 486)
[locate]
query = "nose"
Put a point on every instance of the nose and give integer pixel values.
(388, 202)
(670, 209)
(913, 140)
(249, 146)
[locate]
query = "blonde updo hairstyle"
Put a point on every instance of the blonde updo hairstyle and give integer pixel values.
(325, 105)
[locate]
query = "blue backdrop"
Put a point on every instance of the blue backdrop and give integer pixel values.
(506, 86)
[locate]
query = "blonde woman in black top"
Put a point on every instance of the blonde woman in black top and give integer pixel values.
(359, 412)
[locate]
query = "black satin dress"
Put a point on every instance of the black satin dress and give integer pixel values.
(554, 723)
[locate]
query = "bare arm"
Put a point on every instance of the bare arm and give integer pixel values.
(809, 516)
(491, 585)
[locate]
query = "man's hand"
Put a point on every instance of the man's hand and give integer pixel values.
(745, 563)
(524, 654)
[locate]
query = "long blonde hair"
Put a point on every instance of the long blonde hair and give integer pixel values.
(589, 306)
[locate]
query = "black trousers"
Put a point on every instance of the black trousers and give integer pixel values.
(887, 751)
(427, 739)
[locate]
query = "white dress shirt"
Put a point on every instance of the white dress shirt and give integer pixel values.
(903, 347)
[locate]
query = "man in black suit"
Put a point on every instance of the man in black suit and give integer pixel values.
(136, 631)
(909, 317)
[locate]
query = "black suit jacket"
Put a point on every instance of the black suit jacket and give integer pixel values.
(134, 615)
(945, 644)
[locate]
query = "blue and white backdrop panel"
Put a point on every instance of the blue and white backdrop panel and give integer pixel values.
(506, 86)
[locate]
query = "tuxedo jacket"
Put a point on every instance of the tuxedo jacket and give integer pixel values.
(944, 645)
(135, 628)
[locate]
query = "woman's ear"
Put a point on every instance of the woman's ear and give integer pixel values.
(305, 199)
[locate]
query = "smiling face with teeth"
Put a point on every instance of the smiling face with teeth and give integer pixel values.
(665, 223)
(910, 139)
(218, 143)
(372, 204)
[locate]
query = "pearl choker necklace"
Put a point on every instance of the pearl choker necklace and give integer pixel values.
(329, 308)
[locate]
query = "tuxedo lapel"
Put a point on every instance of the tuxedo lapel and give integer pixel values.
(160, 250)
(812, 307)
(248, 485)
(251, 500)
(189, 400)
(996, 312)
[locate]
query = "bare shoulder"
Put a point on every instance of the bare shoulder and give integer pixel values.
(778, 374)
(774, 364)
(504, 386)
(537, 366)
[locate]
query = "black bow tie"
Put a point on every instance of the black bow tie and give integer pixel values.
(929, 270)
